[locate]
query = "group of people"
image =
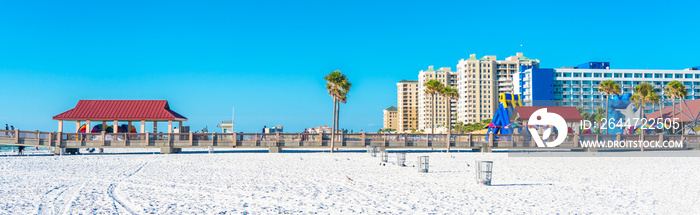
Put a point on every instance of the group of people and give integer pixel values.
(11, 133)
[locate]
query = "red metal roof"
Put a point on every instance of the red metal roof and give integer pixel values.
(121, 110)
(692, 108)
(569, 114)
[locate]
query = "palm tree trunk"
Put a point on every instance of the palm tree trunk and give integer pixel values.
(607, 106)
(337, 122)
(433, 120)
(333, 129)
(673, 104)
(449, 123)
(680, 117)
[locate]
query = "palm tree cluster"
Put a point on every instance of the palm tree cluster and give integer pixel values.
(338, 87)
(676, 90)
(644, 95)
(462, 128)
(433, 87)
(608, 87)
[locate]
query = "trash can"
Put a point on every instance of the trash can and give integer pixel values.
(401, 159)
(483, 172)
(372, 151)
(423, 164)
(384, 156)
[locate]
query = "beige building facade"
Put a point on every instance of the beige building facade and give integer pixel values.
(391, 118)
(481, 80)
(407, 102)
(426, 107)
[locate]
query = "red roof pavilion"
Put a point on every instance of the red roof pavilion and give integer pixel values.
(121, 110)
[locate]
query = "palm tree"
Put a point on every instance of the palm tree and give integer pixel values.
(644, 93)
(433, 87)
(449, 93)
(608, 87)
(337, 87)
(675, 89)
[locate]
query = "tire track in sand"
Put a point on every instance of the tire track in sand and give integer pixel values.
(128, 206)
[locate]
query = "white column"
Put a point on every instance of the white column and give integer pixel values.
(180, 126)
(128, 127)
(104, 126)
(115, 126)
(170, 126)
(60, 125)
(143, 126)
(155, 127)
(87, 126)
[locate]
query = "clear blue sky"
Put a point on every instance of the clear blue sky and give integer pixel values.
(268, 58)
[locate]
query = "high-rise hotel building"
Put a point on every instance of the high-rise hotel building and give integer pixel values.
(578, 86)
(481, 80)
(426, 108)
(407, 102)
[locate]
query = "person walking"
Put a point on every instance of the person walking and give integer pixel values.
(12, 128)
(262, 136)
(306, 136)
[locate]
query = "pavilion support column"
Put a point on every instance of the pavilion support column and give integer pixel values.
(115, 126)
(87, 126)
(128, 127)
(170, 126)
(179, 125)
(155, 127)
(104, 126)
(143, 126)
(60, 125)
(77, 127)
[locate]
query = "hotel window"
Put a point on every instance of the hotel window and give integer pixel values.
(628, 75)
(587, 75)
(688, 75)
(597, 75)
(648, 75)
(617, 75)
(607, 75)
(668, 75)
(577, 74)
(679, 75)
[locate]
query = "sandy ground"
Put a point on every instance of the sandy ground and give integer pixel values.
(262, 183)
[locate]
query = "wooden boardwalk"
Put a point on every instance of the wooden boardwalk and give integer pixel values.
(173, 142)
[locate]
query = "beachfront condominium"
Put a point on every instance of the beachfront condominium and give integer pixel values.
(578, 86)
(390, 119)
(481, 80)
(407, 102)
(426, 107)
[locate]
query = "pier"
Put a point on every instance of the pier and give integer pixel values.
(275, 142)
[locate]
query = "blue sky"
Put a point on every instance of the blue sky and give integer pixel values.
(268, 58)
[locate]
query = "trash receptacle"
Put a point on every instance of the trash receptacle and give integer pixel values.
(483, 172)
(372, 151)
(384, 156)
(401, 159)
(423, 164)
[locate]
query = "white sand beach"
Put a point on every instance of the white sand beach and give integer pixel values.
(304, 183)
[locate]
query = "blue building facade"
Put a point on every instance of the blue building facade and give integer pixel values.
(536, 85)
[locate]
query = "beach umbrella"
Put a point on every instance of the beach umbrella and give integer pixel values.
(490, 125)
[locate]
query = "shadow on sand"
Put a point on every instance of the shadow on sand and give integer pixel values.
(509, 185)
